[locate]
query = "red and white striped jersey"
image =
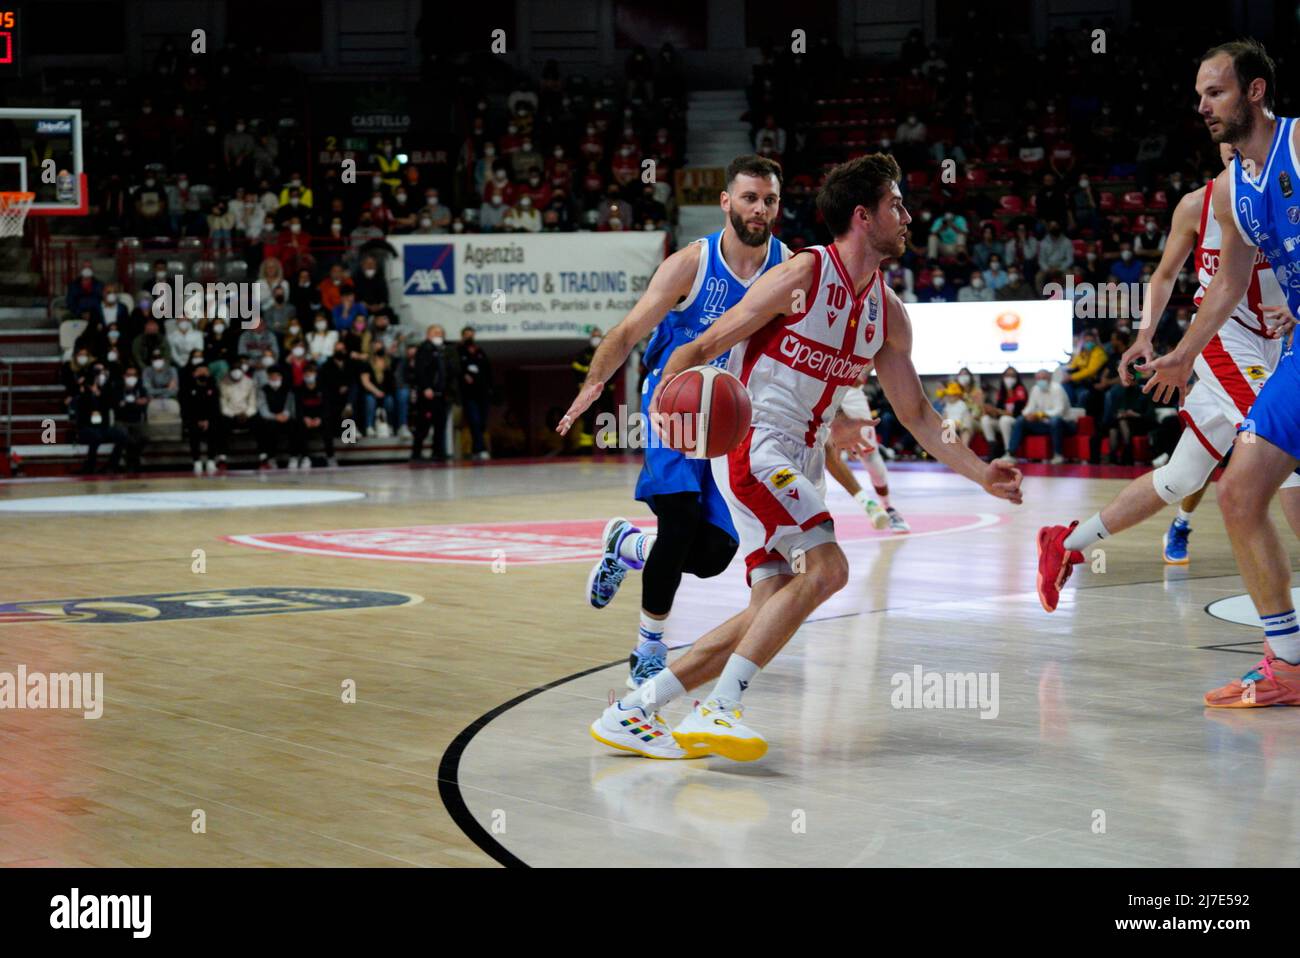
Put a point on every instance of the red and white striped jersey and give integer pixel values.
(1264, 289)
(797, 368)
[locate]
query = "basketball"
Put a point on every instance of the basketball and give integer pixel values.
(707, 412)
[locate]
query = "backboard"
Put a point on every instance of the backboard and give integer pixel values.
(40, 152)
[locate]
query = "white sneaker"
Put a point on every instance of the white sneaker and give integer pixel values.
(293, 464)
(485, 455)
(636, 730)
(370, 433)
(212, 468)
(306, 462)
(404, 433)
(711, 729)
(896, 522)
(198, 467)
(875, 512)
(333, 462)
(888, 452)
(1056, 460)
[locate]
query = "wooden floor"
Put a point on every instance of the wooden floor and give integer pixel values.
(474, 687)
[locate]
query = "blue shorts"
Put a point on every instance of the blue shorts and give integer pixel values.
(1275, 414)
(667, 471)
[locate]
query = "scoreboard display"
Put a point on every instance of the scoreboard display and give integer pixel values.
(10, 41)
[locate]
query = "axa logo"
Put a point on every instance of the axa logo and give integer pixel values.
(429, 269)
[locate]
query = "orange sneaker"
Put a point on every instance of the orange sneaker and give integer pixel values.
(1272, 681)
(1055, 563)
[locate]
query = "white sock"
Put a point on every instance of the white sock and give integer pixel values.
(1184, 515)
(1283, 635)
(1086, 533)
(652, 629)
(735, 678)
(862, 497)
(636, 548)
(654, 693)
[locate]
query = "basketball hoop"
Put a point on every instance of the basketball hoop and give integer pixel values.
(13, 212)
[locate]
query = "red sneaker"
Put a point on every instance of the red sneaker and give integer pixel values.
(1055, 562)
(1271, 682)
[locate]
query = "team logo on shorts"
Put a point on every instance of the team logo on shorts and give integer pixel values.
(782, 478)
(1256, 372)
(199, 604)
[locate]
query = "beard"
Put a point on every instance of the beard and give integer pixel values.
(750, 237)
(893, 246)
(1235, 128)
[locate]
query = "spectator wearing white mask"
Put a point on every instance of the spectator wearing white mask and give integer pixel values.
(524, 218)
(493, 214)
(1047, 412)
(323, 336)
(976, 291)
(184, 341)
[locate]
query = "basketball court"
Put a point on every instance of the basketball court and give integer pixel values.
(395, 666)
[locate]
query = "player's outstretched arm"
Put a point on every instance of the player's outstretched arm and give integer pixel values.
(1181, 242)
(1230, 283)
(670, 284)
(776, 293)
(903, 389)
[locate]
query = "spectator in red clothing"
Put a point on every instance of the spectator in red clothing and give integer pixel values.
(499, 185)
(559, 170)
(380, 215)
(592, 146)
(536, 189)
(293, 245)
(1000, 415)
(331, 286)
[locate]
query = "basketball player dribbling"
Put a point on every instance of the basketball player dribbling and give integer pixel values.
(802, 336)
(689, 290)
(1230, 373)
(1257, 205)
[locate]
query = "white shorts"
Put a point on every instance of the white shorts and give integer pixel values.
(1230, 372)
(775, 487)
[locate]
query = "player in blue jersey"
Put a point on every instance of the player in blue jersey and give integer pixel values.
(689, 290)
(1258, 207)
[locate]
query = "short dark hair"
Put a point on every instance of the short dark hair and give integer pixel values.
(751, 164)
(1250, 61)
(859, 182)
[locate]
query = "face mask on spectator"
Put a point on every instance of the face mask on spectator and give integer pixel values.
(183, 183)
(336, 228)
(595, 341)
(401, 197)
(1126, 255)
(112, 355)
(298, 351)
(436, 340)
(977, 282)
(425, 222)
(1009, 381)
(268, 361)
(1040, 384)
(87, 273)
(377, 201)
(995, 265)
(158, 363)
(368, 273)
(183, 325)
(1013, 278)
(321, 325)
(295, 227)
(458, 227)
(218, 328)
(130, 381)
(275, 383)
(309, 380)
(496, 199)
(113, 335)
(160, 274)
(236, 374)
(196, 360)
(964, 379)
(937, 282)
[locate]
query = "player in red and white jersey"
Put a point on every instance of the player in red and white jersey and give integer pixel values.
(1229, 374)
(800, 338)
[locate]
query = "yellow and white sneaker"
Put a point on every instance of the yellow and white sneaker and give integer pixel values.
(874, 510)
(636, 730)
(715, 728)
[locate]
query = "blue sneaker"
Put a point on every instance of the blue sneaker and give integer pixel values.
(1176, 543)
(607, 574)
(649, 659)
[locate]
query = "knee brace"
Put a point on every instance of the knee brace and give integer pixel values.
(1187, 470)
(875, 464)
(711, 552)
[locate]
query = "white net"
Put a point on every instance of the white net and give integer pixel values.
(13, 212)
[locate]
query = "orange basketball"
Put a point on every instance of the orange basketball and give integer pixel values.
(706, 412)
